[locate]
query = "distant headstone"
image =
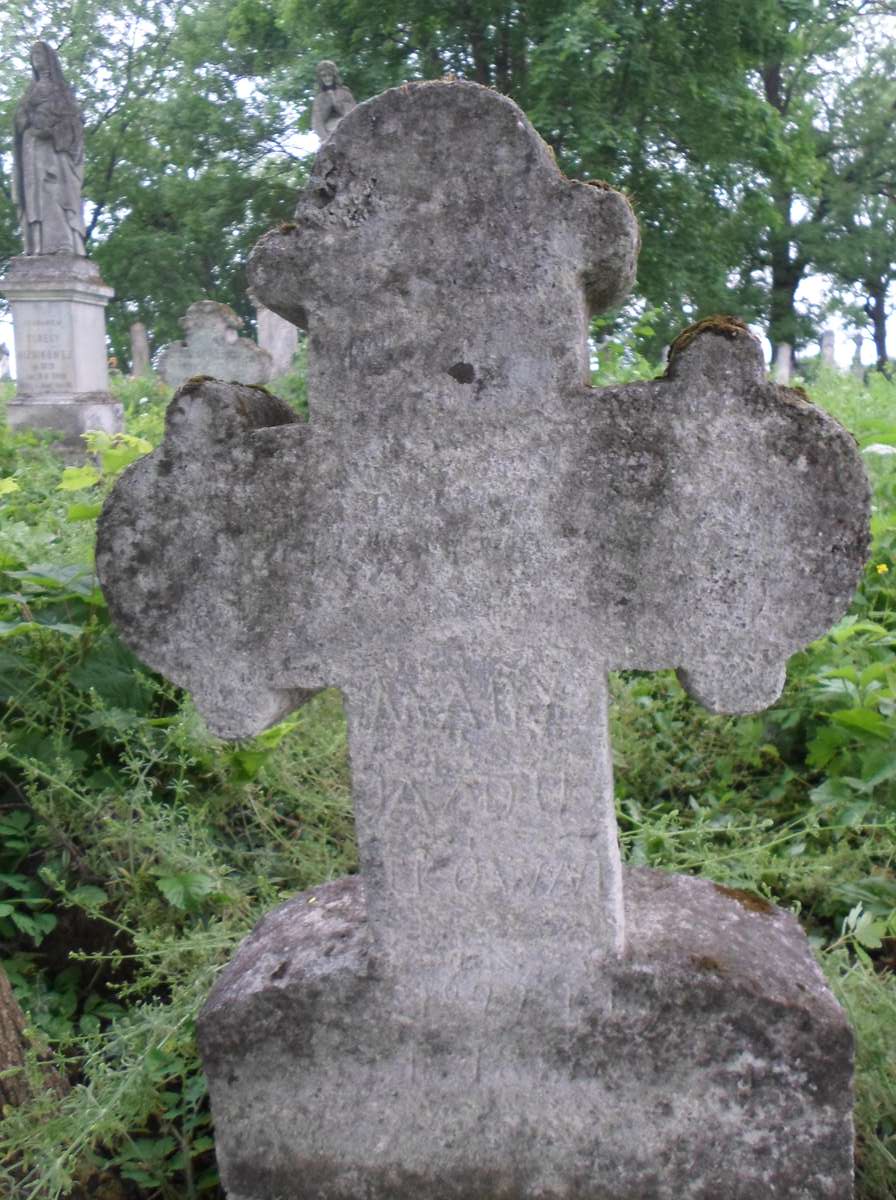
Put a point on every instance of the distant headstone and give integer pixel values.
(332, 100)
(783, 365)
(856, 367)
(827, 345)
(280, 338)
(213, 347)
(139, 350)
(57, 297)
(4, 361)
(465, 538)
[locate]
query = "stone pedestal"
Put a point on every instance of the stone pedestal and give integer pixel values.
(710, 1061)
(58, 306)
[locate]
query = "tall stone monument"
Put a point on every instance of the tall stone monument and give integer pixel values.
(212, 346)
(465, 538)
(57, 297)
(827, 346)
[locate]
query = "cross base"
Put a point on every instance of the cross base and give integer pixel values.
(711, 1060)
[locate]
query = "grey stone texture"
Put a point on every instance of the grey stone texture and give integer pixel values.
(213, 347)
(332, 100)
(710, 1062)
(140, 357)
(280, 338)
(48, 160)
(783, 364)
(465, 538)
(58, 304)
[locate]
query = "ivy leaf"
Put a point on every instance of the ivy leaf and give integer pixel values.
(83, 512)
(74, 479)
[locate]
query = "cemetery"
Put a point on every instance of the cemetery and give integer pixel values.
(449, 700)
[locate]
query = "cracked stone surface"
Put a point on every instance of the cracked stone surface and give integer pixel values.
(465, 538)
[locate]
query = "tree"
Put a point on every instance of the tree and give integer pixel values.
(184, 168)
(651, 96)
(810, 57)
(856, 242)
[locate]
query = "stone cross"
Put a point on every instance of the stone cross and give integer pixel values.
(212, 346)
(465, 538)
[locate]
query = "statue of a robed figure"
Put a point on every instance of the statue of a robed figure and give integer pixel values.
(49, 160)
(55, 292)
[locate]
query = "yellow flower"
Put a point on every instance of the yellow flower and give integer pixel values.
(882, 568)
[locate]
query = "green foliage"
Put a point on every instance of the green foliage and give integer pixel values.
(136, 850)
(798, 803)
(184, 169)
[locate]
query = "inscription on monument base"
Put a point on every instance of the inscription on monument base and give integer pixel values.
(45, 352)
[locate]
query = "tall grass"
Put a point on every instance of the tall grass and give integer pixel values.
(136, 850)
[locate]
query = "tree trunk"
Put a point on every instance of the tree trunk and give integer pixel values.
(787, 270)
(876, 308)
(15, 1087)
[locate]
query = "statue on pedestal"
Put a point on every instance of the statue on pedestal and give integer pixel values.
(49, 160)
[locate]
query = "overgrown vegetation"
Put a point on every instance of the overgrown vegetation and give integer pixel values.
(136, 850)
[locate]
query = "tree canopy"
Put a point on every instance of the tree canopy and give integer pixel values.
(756, 141)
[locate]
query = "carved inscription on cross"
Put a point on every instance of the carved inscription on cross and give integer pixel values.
(466, 537)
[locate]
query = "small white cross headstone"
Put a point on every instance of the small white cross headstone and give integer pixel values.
(466, 538)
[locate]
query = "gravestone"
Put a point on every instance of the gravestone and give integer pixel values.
(856, 367)
(4, 361)
(213, 347)
(55, 292)
(140, 361)
(465, 538)
(783, 365)
(827, 346)
(280, 338)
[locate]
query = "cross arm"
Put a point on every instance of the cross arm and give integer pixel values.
(197, 548)
(738, 520)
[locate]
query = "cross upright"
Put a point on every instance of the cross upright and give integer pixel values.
(466, 537)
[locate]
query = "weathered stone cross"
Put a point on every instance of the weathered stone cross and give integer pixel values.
(466, 537)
